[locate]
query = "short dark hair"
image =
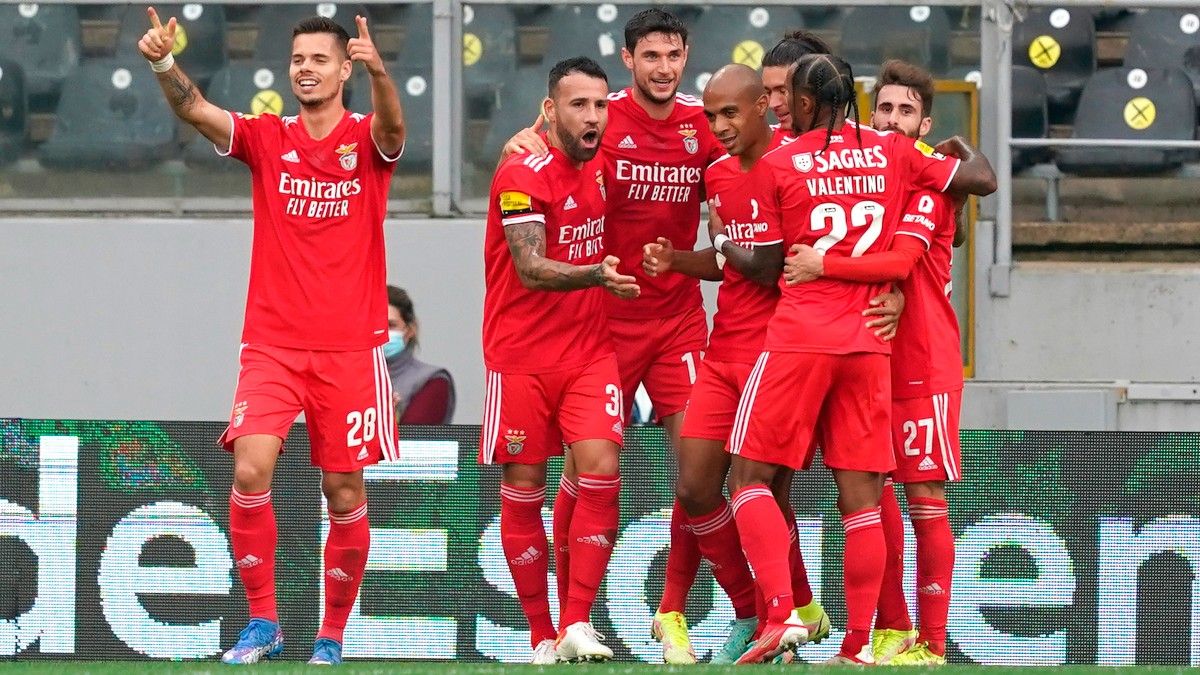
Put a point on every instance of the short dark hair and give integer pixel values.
(575, 64)
(831, 82)
(793, 46)
(320, 24)
(653, 20)
(398, 298)
(905, 74)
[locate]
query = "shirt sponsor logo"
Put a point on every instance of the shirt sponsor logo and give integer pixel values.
(583, 240)
(658, 183)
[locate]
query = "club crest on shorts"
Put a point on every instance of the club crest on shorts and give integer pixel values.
(347, 156)
(690, 142)
(803, 162)
(515, 440)
(239, 413)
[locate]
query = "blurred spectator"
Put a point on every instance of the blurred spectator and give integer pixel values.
(424, 394)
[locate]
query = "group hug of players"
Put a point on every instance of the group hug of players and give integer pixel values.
(834, 329)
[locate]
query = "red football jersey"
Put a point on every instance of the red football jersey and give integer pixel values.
(743, 306)
(780, 136)
(927, 353)
(655, 174)
(843, 200)
(527, 331)
(318, 277)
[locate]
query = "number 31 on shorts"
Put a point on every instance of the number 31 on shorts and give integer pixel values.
(361, 427)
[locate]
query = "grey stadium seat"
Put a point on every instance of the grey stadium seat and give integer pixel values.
(595, 31)
(1167, 38)
(1029, 116)
(112, 115)
(489, 49)
(729, 34)
(1131, 103)
(871, 35)
(13, 111)
(1060, 42)
(244, 87)
(516, 108)
(201, 52)
(45, 41)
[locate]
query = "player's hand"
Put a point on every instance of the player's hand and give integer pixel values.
(362, 49)
(528, 140)
(803, 264)
(658, 257)
(955, 146)
(158, 42)
(620, 285)
(888, 307)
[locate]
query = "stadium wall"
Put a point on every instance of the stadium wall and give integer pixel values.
(1072, 547)
(138, 318)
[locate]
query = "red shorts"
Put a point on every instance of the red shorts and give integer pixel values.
(791, 394)
(346, 398)
(527, 418)
(925, 438)
(714, 401)
(662, 354)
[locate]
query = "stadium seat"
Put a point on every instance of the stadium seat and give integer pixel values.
(726, 34)
(516, 108)
(417, 97)
(413, 24)
(275, 24)
(13, 111)
(112, 115)
(1132, 103)
(1062, 44)
(596, 31)
(244, 87)
(1029, 118)
(489, 50)
(44, 40)
(199, 40)
(1167, 38)
(918, 34)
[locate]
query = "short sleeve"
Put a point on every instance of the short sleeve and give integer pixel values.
(522, 192)
(925, 168)
(768, 207)
(365, 136)
(921, 215)
(246, 135)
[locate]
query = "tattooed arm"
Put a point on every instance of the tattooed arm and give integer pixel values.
(182, 94)
(527, 243)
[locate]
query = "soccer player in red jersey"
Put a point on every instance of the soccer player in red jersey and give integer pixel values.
(776, 65)
(551, 372)
(839, 188)
(316, 312)
(926, 385)
(655, 152)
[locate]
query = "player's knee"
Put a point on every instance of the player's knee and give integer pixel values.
(250, 478)
(697, 497)
(343, 495)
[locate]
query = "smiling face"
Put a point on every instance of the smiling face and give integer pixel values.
(657, 65)
(899, 108)
(319, 68)
(578, 113)
(775, 81)
(735, 104)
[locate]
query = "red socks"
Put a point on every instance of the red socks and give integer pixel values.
(683, 562)
(345, 561)
(593, 531)
(935, 568)
(564, 507)
(862, 568)
(717, 537)
(893, 608)
(253, 535)
(763, 534)
(523, 538)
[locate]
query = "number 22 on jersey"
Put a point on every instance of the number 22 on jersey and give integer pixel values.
(831, 218)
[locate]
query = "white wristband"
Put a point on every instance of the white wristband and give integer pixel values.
(720, 240)
(164, 64)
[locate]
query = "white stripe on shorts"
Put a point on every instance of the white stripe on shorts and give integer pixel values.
(742, 420)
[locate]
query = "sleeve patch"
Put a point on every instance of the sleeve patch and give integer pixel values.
(928, 150)
(513, 203)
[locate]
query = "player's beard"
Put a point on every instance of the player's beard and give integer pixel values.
(573, 145)
(651, 96)
(315, 101)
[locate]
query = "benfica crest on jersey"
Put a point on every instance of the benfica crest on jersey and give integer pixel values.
(600, 182)
(690, 142)
(347, 156)
(803, 162)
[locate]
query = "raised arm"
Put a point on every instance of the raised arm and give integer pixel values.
(387, 126)
(182, 94)
(975, 175)
(527, 243)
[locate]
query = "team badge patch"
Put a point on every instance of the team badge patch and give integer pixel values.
(803, 162)
(239, 413)
(347, 156)
(515, 442)
(690, 142)
(927, 150)
(600, 182)
(513, 203)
